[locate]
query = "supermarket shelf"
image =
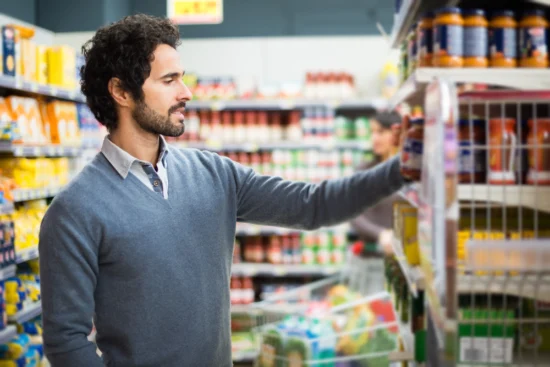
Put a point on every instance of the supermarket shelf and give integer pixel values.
(408, 342)
(7, 334)
(252, 269)
(28, 313)
(242, 357)
(33, 194)
(541, 2)
(254, 147)
(412, 274)
(7, 272)
(287, 104)
(18, 84)
(26, 255)
(534, 197)
(524, 79)
(20, 150)
(256, 230)
(7, 208)
(527, 286)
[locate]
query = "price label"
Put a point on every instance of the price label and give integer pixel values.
(333, 104)
(195, 11)
(34, 87)
(53, 91)
(217, 106)
(214, 144)
(287, 104)
(279, 271)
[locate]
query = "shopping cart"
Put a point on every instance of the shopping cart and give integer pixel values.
(346, 320)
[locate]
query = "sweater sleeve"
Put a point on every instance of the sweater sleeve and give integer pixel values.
(274, 201)
(68, 275)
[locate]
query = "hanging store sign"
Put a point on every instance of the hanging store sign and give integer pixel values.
(195, 11)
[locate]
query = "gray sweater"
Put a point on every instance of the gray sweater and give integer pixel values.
(154, 273)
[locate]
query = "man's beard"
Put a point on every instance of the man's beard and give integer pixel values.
(155, 123)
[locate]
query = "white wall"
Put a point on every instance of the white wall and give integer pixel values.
(276, 60)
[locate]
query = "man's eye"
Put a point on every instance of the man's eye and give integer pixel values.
(168, 81)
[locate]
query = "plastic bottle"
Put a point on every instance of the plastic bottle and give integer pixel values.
(475, 39)
(389, 87)
(533, 39)
(502, 40)
(448, 38)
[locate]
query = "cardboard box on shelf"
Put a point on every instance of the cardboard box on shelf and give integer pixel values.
(63, 122)
(41, 64)
(61, 66)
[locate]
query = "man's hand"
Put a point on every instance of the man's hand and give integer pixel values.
(385, 240)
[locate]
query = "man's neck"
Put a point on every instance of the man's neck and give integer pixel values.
(140, 144)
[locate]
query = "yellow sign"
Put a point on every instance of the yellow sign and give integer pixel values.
(195, 11)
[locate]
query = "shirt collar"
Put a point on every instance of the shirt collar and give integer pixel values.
(122, 161)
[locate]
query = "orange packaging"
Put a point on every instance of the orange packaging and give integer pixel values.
(63, 123)
(6, 119)
(539, 151)
(502, 151)
(27, 117)
(532, 40)
(28, 59)
(43, 107)
(448, 38)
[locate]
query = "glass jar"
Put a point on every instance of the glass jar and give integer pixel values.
(502, 40)
(424, 40)
(448, 38)
(532, 40)
(475, 39)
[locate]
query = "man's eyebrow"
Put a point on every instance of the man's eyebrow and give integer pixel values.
(173, 74)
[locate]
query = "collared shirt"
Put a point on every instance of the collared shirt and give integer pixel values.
(124, 163)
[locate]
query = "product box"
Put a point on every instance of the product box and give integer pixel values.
(63, 121)
(491, 342)
(61, 66)
(9, 50)
(26, 114)
(41, 64)
(28, 59)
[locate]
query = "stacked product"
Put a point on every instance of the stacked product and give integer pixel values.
(474, 38)
(317, 85)
(21, 292)
(23, 58)
(323, 247)
(314, 124)
(32, 173)
(27, 219)
(242, 290)
(311, 165)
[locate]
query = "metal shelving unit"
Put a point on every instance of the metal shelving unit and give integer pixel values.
(286, 104)
(7, 334)
(272, 270)
(26, 255)
(282, 145)
(7, 272)
(20, 150)
(27, 314)
(20, 195)
(18, 84)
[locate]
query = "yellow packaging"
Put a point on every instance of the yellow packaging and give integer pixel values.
(62, 66)
(410, 235)
(63, 123)
(43, 107)
(42, 64)
(26, 113)
(28, 59)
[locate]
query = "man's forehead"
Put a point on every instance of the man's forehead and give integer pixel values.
(166, 57)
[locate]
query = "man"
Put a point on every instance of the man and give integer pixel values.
(142, 240)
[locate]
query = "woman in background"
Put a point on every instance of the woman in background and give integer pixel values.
(375, 224)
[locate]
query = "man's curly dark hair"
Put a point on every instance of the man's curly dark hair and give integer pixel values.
(123, 50)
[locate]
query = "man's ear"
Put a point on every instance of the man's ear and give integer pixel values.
(121, 96)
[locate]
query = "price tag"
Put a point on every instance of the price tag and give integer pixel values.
(36, 151)
(195, 11)
(18, 151)
(252, 147)
(51, 151)
(216, 106)
(34, 87)
(214, 145)
(73, 94)
(333, 104)
(279, 271)
(18, 82)
(287, 104)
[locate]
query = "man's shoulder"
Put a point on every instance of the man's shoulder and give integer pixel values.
(195, 156)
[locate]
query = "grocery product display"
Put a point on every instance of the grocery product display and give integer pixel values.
(312, 124)
(471, 237)
(315, 85)
(453, 37)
